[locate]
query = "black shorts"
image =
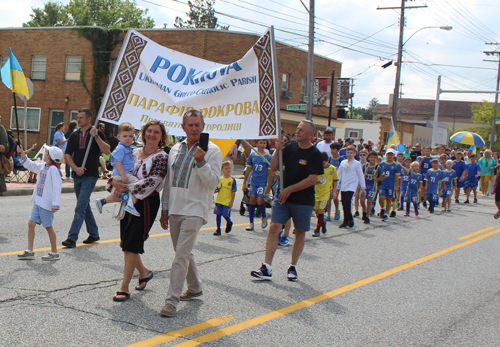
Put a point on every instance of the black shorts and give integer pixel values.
(135, 230)
(497, 192)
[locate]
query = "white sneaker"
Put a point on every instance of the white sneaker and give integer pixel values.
(51, 256)
(264, 223)
(132, 211)
(249, 227)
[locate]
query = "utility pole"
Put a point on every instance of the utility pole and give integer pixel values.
(397, 84)
(310, 60)
(495, 107)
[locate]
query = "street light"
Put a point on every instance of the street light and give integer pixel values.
(395, 105)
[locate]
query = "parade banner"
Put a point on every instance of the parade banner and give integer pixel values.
(237, 101)
(343, 92)
(321, 94)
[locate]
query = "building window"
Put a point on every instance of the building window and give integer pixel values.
(73, 66)
(73, 115)
(112, 64)
(285, 81)
(33, 121)
(3, 59)
(354, 134)
(303, 89)
(38, 67)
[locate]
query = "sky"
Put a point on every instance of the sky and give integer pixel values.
(362, 38)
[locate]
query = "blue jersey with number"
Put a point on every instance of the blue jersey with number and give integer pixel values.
(472, 171)
(336, 162)
(433, 179)
(260, 168)
(371, 172)
(426, 164)
(414, 180)
(449, 178)
(459, 167)
(405, 178)
(390, 171)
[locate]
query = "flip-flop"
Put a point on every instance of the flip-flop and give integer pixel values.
(144, 280)
(125, 295)
(496, 215)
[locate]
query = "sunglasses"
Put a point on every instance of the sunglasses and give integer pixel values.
(362, 155)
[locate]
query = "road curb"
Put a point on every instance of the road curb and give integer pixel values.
(29, 191)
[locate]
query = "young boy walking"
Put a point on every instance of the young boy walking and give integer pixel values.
(259, 166)
(225, 198)
(413, 187)
(433, 180)
(335, 160)
(323, 191)
(46, 198)
(350, 176)
(449, 184)
(473, 173)
(389, 171)
(371, 182)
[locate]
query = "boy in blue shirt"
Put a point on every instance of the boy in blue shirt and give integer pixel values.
(413, 187)
(473, 173)
(460, 168)
(259, 164)
(122, 160)
(433, 184)
(425, 165)
(449, 183)
(404, 179)
(335, 160)
(389, 171)
(371, 178)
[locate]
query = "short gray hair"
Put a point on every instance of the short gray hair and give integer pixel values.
(192, 113)
(311, 124)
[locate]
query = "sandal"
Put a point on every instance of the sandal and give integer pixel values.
(145, 281)
(125, 296)
(496, 215)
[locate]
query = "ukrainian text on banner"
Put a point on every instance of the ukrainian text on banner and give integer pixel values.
(153, 82)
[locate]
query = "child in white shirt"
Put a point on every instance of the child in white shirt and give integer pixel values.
(46, 198)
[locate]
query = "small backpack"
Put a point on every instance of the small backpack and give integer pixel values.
(12, 147)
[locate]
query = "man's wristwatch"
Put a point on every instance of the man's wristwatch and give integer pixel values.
(95, 136)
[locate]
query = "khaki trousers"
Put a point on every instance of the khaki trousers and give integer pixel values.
(183, 231)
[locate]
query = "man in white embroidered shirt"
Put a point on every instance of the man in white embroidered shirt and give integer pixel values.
(192, 177)
(350, 174)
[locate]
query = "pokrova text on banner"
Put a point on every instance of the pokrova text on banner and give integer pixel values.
(238, 101)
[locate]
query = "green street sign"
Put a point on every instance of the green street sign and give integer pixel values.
(300, 107)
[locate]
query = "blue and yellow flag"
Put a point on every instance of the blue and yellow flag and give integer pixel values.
(13, 76)
(393, 136)
(498, 120)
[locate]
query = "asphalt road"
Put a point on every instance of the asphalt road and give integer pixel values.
(407, 282)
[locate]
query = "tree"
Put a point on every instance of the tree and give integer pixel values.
(201, 15)
(372, 103)
(110, 14)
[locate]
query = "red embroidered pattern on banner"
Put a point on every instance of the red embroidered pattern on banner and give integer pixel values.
(124, 78)
(262, 49)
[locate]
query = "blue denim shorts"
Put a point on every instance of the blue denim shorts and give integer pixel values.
(42, 216)
(300, 214)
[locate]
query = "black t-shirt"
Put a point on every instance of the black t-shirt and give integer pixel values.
(415, 154)
(299, 164)
(77, 149)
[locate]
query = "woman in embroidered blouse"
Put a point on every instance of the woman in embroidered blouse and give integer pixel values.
(150, 167)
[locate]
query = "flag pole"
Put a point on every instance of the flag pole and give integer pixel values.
(277, 104)
(17, 120)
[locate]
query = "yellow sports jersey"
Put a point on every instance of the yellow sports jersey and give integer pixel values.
(226, 188)
(324, 187)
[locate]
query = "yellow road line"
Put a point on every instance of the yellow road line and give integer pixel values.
(102, 242)
(314, 300)
(182, 332)
(475, 233)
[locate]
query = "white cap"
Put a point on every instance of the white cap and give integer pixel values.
(390, 150)
(56, 154)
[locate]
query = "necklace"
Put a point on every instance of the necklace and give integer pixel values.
(146, 153)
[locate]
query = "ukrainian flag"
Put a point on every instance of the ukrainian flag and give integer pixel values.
(498, 120)
(13, 76)
(393, 136)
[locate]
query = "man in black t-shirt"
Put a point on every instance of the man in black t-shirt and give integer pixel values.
(302, 165)
(416, 153)
(84, 178)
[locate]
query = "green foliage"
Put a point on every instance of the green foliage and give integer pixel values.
(201, 15)
(115, 14)
(362, 113)
(372, 103)
(103, 42)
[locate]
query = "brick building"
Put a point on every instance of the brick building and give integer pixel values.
(52, 57)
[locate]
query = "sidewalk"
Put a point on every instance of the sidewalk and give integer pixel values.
(17, 188)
